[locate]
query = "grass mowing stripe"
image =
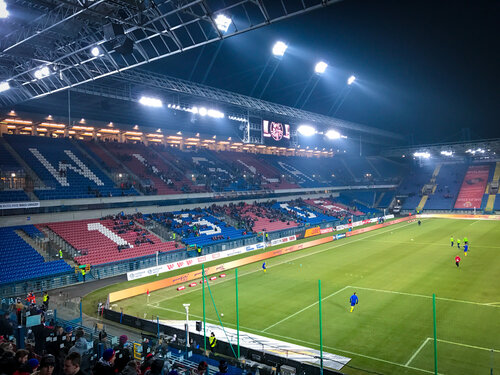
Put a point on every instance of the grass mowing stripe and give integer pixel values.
(301, 341)
(424, 296)
(304, 309)
(466, 345)
(347, 242)
(417, 351)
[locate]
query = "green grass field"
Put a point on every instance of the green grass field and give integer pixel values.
(394, 271)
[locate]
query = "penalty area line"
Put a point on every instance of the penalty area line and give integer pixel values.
(417, 351)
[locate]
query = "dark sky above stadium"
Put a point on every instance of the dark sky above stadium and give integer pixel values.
(425, 69)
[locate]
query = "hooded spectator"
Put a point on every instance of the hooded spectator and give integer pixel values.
(81, 344)
(105, 365)
(156, 367)
(130, 369)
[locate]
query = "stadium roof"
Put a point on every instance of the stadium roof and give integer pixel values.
(349, 36)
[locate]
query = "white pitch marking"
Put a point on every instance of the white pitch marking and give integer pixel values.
(424, 296)
(306, 342)
(417, 351)
(466, 345)
(304, 309)
(289, 260)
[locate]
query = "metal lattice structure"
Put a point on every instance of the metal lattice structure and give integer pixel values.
(59, 34)
(133, 81)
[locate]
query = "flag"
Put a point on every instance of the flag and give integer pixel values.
(147, 292)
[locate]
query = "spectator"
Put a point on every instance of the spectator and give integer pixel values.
(6, 329)
(201, 370)
(47, 365)
(72, 364)
(156, 367)
(122, 353)
(131, 369)
(222, 367)
(81, 344)
(106, 364)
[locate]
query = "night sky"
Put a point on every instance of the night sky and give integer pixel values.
(425, 69)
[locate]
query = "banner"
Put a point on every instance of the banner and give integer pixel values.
(473, 187)
(13, 205)
(279, 241)
(160, 284)
(376, 226)
(192, 261)
(326, 230)
(456, 216)
(312, 232)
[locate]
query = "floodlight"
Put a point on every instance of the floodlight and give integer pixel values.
(222, 22)
(202, 111)
(215, 113)
(332, 134)
(424, 155)
(4, 13)
(151, 102)
(42, 72)
(279, 48)
(95, 51)
(306, 130)
(320, 67)
(351, 80)
(4, 86)
(447, 153)
(194, 110)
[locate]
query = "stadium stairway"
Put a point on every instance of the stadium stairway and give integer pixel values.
(491, 197)
(115, 159)
(423, 201)
(37, 181)
(79, 146)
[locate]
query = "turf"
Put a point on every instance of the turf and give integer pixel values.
(394, 271)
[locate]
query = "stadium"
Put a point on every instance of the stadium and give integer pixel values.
(249, 187)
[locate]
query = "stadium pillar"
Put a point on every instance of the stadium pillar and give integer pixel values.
(435, 338)
(237, 312)
(204, 316)
(320, 330)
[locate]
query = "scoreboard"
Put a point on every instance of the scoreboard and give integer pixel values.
(275, 133)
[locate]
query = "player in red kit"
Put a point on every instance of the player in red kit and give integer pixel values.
(457, 260)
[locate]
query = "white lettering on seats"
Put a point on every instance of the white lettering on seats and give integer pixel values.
(82, 169)
(297, 211)
(214, 228)
(294, 171)
(108, 233)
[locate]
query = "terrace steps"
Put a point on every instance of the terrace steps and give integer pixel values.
(491, 197)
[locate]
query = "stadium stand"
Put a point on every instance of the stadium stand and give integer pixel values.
(198, 227)
(109, 240)
(259, 217)
(22, 262)
(386, 199)
(411, 187)
(303, 214)
(447, 184)
(61, 166)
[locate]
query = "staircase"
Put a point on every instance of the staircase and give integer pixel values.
(130, 173)
(36, 180)
(38, 245)
(60, 243)
(423, 201)
(491, 197)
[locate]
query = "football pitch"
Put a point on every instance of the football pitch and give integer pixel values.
(394, 271)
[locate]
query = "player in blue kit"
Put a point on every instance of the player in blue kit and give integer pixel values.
(466, 248)
(264, 267)
(354, 301)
